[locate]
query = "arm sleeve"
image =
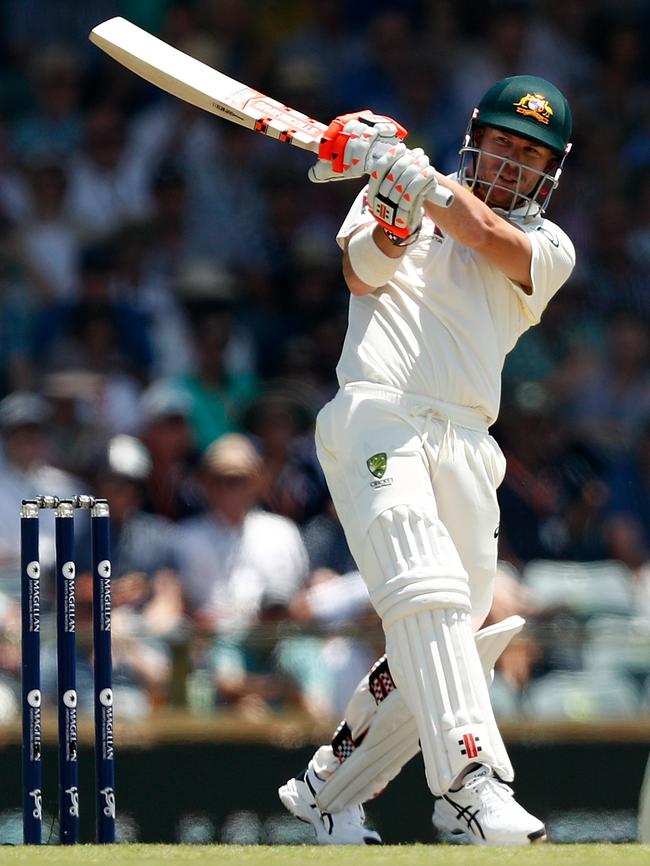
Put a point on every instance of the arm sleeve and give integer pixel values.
(553, 260)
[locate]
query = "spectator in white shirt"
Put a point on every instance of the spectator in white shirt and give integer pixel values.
(240, 568)
(233, 555)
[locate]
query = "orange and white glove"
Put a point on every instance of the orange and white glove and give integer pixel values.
(398, 185)
(345, 151)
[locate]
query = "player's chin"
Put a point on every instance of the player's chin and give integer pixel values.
(501, 198)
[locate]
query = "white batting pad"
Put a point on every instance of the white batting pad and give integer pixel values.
(411, 551)
(436, 667)
(493, 639)
(383, 734)
(389, 743)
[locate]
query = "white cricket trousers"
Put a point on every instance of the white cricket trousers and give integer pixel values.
(383, 451)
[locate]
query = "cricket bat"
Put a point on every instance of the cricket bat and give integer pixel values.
(197, 83)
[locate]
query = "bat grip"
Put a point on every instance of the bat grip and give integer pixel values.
(441, 196)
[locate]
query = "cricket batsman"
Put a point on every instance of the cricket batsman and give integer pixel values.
(439, 296)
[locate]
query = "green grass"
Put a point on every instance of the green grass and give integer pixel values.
(296, 855)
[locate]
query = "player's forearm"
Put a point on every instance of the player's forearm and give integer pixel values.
(472, 223)
(370, 260)
(468, 221)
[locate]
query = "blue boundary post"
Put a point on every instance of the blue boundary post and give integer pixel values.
(104, 742)
(30, 591)
(67, 674)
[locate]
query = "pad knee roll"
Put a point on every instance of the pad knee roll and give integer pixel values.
(420, 566)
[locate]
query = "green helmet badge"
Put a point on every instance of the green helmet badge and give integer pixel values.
(535, 105)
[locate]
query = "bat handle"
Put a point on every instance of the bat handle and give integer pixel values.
(441, 196)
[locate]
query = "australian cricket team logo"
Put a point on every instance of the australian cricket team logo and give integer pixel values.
(377, 464)
(535, 105)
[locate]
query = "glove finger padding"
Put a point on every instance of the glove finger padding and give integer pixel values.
(347, 143)
(404, 175)
(398, 186)
(408, 220)
(411, 180)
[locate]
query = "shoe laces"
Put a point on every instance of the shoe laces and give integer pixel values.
(487, 786)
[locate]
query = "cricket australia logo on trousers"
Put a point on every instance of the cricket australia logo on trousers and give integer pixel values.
(377, 465)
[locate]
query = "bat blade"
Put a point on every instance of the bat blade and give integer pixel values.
(192, 81)
(197, 83)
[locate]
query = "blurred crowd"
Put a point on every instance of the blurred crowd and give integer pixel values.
(171, 313)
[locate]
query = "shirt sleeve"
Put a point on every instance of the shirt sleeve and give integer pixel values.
(358, 215)
(553, 260)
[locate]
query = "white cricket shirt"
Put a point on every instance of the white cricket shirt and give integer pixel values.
(442, 326)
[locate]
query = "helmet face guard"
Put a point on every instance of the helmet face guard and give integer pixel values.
(527, 204)
(529, 107)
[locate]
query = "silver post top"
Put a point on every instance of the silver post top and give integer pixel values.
(48, 501)
(65, 508)
(100, 508)
(83, 501)
(29, 508)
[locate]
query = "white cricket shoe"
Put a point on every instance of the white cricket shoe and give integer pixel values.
(485, 810)
(332, 828)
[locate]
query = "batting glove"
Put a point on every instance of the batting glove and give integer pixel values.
(400, 181)
(345, 151)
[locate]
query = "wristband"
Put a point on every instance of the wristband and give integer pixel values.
(373, 267)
